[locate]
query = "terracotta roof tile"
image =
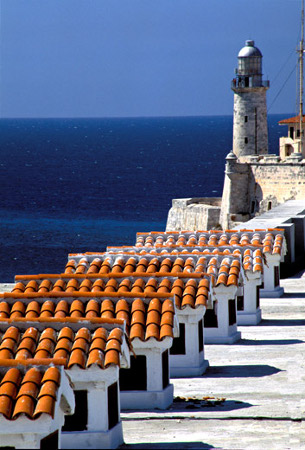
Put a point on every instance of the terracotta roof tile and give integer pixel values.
(23, 394)
(75, 347)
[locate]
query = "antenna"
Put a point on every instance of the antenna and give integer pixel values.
(301, 60)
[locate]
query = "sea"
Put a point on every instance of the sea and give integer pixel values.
(77, 185)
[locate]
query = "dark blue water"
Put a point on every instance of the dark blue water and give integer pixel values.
(73, 185)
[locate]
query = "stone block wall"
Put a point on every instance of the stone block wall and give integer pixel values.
(194, 214)
(275, 183)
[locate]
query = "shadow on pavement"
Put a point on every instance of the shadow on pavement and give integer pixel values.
(268, 342)
(240, 371)
(208, 405)
(168, 445)
(281, 322)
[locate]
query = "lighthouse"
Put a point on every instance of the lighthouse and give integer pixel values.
(250, 131)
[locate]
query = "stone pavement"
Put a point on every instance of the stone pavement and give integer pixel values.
(256, 389)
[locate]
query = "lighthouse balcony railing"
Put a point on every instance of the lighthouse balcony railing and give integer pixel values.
(246, 83)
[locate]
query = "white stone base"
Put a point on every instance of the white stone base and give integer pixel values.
(244, 318)
(147, 399)
(223, 339)
(189, 371)
(93, 439)
(274, 293)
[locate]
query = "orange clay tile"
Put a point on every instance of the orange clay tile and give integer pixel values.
(80, 344)
(116, 333)
(232, 280)
(166, 331)
(124, 316)
(32, 286)
(4, 310)
(31, 333)
(142, 265)
(8, 344)
(188, 300)
(105, 267)
(100, 333)
(77, 306)
(107, 305)
(95, 266)
(234, 271)
(18, 307)
(33, 375)
(112, 357)
(111, 285)
(83, 333)
(151, 285)
(12, 376)
(45, 345)
(85, 286)
(59, 286)
(70, 266)
(77, 357)
(155, 305)
(98, 286)
(138, 305)
(49, 387)
(62, 309)
(137, 331)
(9, 389)
(152, 330)
(45, 405)
(96, 356)
(138, 286)
(6, 354)
(24, 405)
(168, 306)
(23, 354)
(138, 317)
(125, 285)
(72, 285)
(48, 305)
(65, 333)
(167, 318)
(28, 388)
(45, 286)
(6, 406)
(166, 266)
(153, 317)
(12, 333)
(19, 287)
(48, 333)
(63, 344)
(98, 344)
(122, 305)
(113, 344)
(222, 279)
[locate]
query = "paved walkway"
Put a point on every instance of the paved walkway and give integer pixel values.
(257, 389)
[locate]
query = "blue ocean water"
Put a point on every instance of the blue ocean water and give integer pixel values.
(74, 185)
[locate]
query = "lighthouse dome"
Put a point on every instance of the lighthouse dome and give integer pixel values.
(249, 51)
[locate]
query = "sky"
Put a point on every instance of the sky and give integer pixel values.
(124, 58)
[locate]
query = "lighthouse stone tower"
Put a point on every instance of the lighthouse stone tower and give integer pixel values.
(250, 131)
(250, 137)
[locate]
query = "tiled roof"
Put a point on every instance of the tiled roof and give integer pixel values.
(166, 263)
(295, 119)
(135, 287)
(144, 318)
(31, 393)
(271, 241)
(83, 348)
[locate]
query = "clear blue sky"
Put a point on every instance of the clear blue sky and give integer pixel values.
(102, 58)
